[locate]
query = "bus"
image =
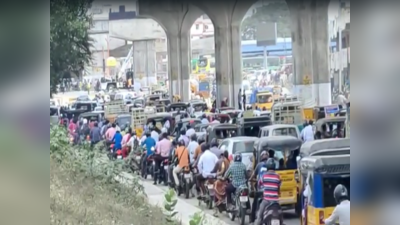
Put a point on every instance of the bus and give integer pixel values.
(206, 64)
(195, 67)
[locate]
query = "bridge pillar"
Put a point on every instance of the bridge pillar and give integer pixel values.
(176, 17)
(227, 18)
(310, 44)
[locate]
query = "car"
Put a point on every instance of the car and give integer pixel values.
(243, 145)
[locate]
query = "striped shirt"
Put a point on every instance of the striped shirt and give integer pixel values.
(271, 183)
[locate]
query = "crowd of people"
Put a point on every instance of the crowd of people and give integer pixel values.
(188, 151)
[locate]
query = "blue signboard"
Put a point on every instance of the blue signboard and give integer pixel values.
(204, 86)
(331, 110)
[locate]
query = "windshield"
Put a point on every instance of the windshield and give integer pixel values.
(202, 62)
(285, 132)
(225, 133)
(243, 147)
(123, 120)
(329, 186)
(264, 98)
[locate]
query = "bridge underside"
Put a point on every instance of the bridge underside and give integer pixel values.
(310, 40)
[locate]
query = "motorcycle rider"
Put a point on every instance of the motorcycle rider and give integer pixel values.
(183, 137)
(270, 183)
(163, 147)
(205, 166)
(148, 143)
(192, 147)
(238, 175)
(342, 211)
(214, 148)
(182, 156)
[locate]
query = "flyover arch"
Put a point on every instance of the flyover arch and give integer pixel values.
(310, 44)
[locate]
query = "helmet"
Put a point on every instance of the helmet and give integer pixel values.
(264, 155)
(237, 158)
(270, 164)
(340, 193)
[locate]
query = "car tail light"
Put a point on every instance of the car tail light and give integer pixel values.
(321, 217)
(244, 193)
(230, 157)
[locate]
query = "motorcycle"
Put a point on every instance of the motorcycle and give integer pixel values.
(147, 164)
(273, 215)
(209, 192)
(163, 176)
(242, 203)
(186, 182)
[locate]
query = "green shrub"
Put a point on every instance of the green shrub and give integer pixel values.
(83, 188)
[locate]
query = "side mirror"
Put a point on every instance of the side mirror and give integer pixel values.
(298, 158)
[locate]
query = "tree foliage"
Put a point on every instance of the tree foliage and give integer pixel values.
(277, 12)
(69, 39)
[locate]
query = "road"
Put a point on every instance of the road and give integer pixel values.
(290, 217)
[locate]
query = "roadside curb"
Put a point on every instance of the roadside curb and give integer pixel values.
(155, 196)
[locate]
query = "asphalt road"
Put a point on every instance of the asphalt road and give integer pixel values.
(290, 217)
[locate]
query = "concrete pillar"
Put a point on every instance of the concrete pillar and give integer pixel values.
(144, 61)
(178, 64)
(227, 17)
(176, 17)
(310, 43)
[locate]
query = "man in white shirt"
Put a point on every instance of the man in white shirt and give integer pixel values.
(190, 132)
(155, 136)
(341, 214)
(192, 147)
(307, 134)
(204, 119)
(206, 164)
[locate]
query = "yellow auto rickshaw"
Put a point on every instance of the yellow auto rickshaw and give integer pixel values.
(285, 150)
(322, 175)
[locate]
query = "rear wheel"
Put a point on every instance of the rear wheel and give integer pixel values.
(187, 190)
(210, 202)
(242, 214)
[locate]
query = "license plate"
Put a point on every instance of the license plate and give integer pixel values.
(138, 158)
(275, 222)
(119, 157)
(210, 186)
(243, 198)
(165, 167)
(188, 176)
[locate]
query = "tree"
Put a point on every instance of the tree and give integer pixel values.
(277, 12)
(69, 39)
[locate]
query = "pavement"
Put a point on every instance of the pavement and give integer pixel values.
(186, 208)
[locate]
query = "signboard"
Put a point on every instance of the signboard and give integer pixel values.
(331, 110)
(266, 34)
(306, 80)
(204, 89)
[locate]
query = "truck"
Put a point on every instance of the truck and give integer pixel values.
(114, 108)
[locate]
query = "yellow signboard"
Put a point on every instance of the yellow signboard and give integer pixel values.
(306, 80)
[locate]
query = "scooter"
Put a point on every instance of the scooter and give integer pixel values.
(273, 215)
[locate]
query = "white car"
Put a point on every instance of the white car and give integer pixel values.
(243, 145)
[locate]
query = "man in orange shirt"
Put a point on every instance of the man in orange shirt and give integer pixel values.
(182, 155)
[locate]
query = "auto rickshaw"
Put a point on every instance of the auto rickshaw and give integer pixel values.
(251, 126)
(92, 116)
(201, 127)
(150, 100)
(182, 106)
(221, 117)
(161, 104)
(233, 113)
(286, 149)
(331, 125)
(158, 120)
(220, 131)
(192, 121)
(322, 174)
(340, 146)
(199, 106)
